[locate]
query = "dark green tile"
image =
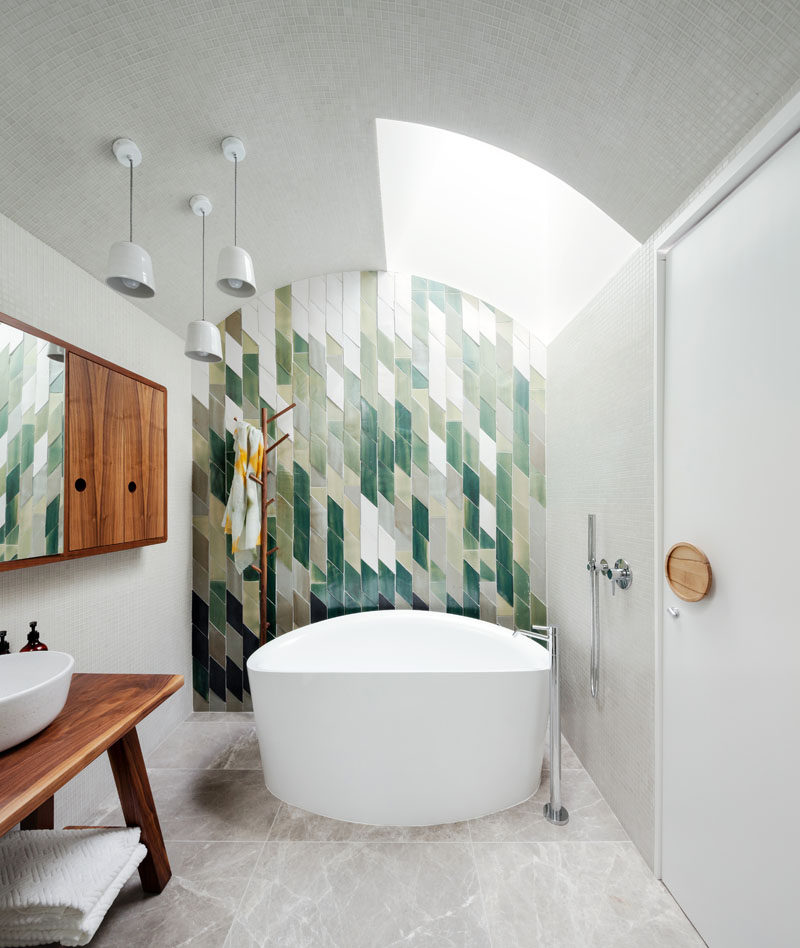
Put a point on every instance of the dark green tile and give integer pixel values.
(335, 518)
(419, 516)
(402, 421)
(302, 483)
(250, 385)
(487, 572)
(335, 585)
(26, 447)
(369, 474)
(336, 551)
(283, 352)
(522, 613)
(472, 583)
(352, 582)
(51, 515)
(486, 542)
(505, 554)
(386, 481)
(200, 679)
(233, 386)
(403, 582)
(505, 584)
(12, 484)
(386, 581)
(369, 587)
(472, 488)
(504, 482)
(301, 515)
(453, 607)
(300, 345)
(522, 584)
(402, 451)
(284, 376)
(385, 449)
(369, 420)
(216, 447)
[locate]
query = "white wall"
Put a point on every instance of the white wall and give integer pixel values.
(600, 460)
(600, 444)
(119, 612)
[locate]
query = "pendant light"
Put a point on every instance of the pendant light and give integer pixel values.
(203, 343)
(130, 270)
(235, 274)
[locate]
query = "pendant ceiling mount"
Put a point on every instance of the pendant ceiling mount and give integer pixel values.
(130, 269)
(203, 342)
(235, 272)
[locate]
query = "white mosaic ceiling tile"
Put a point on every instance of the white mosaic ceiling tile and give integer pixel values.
(632, 102)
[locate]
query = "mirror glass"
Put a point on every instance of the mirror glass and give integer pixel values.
(31, 445)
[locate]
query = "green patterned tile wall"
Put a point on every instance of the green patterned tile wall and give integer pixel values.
(414, 476)
(31, 447)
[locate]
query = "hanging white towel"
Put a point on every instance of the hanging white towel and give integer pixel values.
(242, 518)
(57, 885)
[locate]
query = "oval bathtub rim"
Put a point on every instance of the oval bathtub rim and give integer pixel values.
(524, 648)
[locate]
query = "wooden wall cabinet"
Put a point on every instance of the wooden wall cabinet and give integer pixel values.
(115, 478)
(114, 493)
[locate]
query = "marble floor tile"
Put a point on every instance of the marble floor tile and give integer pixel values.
(197, 906)
(362, 895)
(564, 895)
(590, 817)
(217, 745)
(205, 805)
(569, 759)
(292, 823)
(229, 717)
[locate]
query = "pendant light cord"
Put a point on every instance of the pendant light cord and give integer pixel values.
(130, 201)
(235, 195)
(203, 268)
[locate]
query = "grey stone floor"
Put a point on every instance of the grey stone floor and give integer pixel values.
(249, 870)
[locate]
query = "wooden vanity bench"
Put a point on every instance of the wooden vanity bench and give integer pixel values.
(101, 714)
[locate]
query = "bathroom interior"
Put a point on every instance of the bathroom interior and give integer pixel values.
(398, 452)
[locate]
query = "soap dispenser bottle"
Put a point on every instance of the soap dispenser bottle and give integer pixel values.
(34, 645)
(5, 648)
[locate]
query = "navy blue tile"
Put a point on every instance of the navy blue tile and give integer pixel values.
(319, 610)
(419, 604)
(199, 613)
(216, 679)
(233, 679)
(383, 602)
(234, 612)
(199, 645)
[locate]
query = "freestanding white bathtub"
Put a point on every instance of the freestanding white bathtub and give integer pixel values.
(401, 718)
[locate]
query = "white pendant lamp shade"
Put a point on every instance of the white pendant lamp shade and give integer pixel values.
(235, 273)
(130, 269)
(203, 343)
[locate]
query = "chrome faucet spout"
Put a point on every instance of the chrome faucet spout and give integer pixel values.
(554, 812)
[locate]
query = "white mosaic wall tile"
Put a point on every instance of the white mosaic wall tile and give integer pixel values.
(95, 608)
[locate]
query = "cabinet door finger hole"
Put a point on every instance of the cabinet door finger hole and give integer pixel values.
(132, 486)
(80, 485)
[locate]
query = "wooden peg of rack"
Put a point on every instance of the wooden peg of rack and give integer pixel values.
(281, 412)
(276, 443)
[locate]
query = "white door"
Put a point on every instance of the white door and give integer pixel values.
(731, 712)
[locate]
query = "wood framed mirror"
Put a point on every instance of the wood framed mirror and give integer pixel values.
(83, 452)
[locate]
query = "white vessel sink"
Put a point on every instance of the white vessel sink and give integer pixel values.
(33, 690)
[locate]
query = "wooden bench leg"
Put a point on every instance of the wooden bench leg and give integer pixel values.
(138, 807)
(42, 818)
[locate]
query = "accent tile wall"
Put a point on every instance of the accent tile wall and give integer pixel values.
(413, 477)
(31, 447)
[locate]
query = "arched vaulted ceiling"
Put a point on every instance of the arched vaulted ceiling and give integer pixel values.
(631, 102)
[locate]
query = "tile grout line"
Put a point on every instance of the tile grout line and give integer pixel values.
(480, 886)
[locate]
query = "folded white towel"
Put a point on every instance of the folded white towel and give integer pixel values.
(57, 885)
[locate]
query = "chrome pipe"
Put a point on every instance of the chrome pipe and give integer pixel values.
(554, 812)
(591, 566)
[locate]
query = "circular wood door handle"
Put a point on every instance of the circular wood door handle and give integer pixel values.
(80, 485)
(688, 572)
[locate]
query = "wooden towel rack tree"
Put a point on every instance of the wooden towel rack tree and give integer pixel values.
(265, 502)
